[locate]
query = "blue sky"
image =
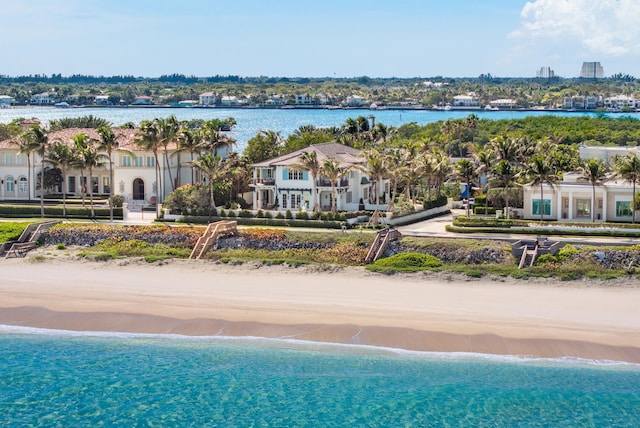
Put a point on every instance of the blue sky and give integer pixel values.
(318, 38)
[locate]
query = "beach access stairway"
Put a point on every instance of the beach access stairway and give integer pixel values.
(383, 238)
(27, 240)
(210, 237)
(529, 250)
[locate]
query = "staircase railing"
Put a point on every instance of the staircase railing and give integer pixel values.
(211, 235)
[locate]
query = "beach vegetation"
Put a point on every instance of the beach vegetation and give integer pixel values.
(113, 248)
(406, 262)
(10, 231)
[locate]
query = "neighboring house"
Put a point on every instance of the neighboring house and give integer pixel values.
(620, 102)
(304, 99)
(581, 102)
(42, 99)
(503, 104)
(143, 100)
(6, 100)
(208, 99)
(468, 101)
(354, 101)
(606, 153)
(230, 101)
(134, 169)
(275, 101)
(570, 200)
(102, 100)
(276, 182)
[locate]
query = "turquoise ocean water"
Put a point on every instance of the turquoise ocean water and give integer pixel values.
(73, 379)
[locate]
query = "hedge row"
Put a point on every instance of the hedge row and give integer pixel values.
(434, 203)
(544, 232)
(17, 211)
(254, 221)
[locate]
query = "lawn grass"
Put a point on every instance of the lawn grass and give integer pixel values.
(10, 230)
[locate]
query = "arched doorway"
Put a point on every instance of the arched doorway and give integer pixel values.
(138, 189)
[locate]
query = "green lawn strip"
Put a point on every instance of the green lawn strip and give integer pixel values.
(10, 230)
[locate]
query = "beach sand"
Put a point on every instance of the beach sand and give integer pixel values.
(424, 312)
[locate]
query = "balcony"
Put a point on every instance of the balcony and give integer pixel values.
(327, 183)
(264, 181)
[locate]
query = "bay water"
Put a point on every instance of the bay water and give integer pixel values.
(55, 378)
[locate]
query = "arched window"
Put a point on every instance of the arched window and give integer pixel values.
(22, 185)
(11, 184)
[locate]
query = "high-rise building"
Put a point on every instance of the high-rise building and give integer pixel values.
(592, 70)
(545, 73)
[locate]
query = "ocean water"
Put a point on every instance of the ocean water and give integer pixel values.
(51, 379)
(251, 121)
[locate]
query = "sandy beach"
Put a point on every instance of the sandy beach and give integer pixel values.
(426, 312)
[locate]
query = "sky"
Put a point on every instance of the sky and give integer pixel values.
(318, 38)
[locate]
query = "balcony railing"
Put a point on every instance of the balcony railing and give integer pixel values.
(264, 181)
(327, 183)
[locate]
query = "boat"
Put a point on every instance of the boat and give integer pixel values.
(62, 105)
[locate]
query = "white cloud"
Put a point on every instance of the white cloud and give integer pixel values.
(603, 27)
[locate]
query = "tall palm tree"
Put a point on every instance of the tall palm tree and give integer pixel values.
(441, 169)
(466, 171)
(540, 172)
(81, 142)
(189, 141)
(332, 170)
(90, 158)
(61, 156)
(484, 160)
(148, 139)
(215, 169)
(109, 143)
(375, 166)
(40, 138)
(595, 171)
(628, 168)
(166, 131)
(308, 161)
(26, 146)
(504, 174)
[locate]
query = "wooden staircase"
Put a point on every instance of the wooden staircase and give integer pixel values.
(383, 238)
(210, 237)
(27, 240)
(526, 253)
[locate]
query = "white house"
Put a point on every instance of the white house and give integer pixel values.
(230, 101)
(304, 99)
(571, 200)
(619, 102)
(354, 101)
(277, 185)
(102, 100)
(503, 104)
(606, 153)
(208, 99)
(143, 100)
(469, 101)
(6, 100)
(580, 102)
(42, 99)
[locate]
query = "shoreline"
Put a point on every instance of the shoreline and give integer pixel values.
(433, 313)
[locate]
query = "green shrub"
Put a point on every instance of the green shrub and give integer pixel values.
(546, 259)
(434, 203)
(288, 214)
(406, 262)
(61, 246)
(245, 214)
(260, 214)
(302, 215)
(280, 216)
(567, 252)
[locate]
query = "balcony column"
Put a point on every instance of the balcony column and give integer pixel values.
(604, 204)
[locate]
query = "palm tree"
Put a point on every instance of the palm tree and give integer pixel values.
(80, 143)
(541, 173)
(148, 139)
(109, 143)
(40, 139)
(26, 146)
(189, 141)
(166, 131)
(628, 168)
(375, 166)
(308, 161)
(332, 170)
(90, 158)
(61, 156)
(594, 171)
(215, 169)
(484, 160)
(466, 170)
(504, 175)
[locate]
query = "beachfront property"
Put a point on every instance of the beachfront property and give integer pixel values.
(43, 98)
(570, 199)
(581, 102)
(134, 170)
(304, 100)
(466, 102)
(354, 101)
(143, 100)
(278, 185)
(102, 100)
(620, 102)
(503, 104)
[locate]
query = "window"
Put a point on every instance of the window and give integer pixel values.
(349, 197)
(22, 186)
(583, 208)
(138, 161)
(106, 188)
(284, 202)
(269, 173)
(10, 159)
(94, 185)
(365, 194)
(151, 162)
(295, 175)
(126, 160)
(537, 205)
(22, 159)
(10, 184)
(72, 185)
(623, 209)
(295, 201)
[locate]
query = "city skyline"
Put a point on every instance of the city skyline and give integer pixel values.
(283, 38)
